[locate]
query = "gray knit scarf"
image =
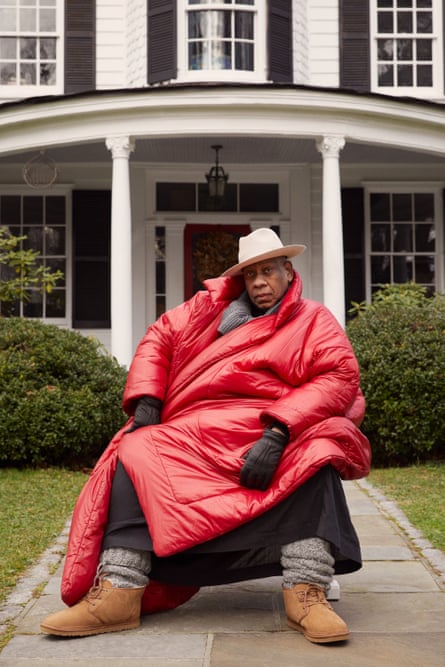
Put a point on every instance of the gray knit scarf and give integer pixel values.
(241, 311)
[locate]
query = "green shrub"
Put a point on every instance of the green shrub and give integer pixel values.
(60, 395)
(399, 341)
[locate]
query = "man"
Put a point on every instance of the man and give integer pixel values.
(245, 406)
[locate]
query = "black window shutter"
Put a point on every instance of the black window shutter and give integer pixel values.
(353, 213)
(354, 45)
(80, 45)
(280, 41)
(91, 259)
(161, 47)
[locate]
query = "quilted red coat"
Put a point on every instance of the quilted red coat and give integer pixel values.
(218, 393)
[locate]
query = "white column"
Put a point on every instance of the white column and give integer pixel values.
(121, 274)
(333, 260)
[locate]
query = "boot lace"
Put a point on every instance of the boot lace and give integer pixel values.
(312, 595)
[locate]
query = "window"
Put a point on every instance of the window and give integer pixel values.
(407, 47)
(42, 219)
(222, 37)
(238, 198)
(30, 48)
(402, 238)
(161, 297)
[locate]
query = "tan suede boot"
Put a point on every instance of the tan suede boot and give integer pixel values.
(310, 613)
(103, 609)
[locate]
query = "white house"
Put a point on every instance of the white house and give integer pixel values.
(330, 118)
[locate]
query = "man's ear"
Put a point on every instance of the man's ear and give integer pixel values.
(289, 269)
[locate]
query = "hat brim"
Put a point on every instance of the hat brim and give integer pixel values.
(287, 251)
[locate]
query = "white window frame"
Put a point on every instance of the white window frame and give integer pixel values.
(60, 191)
(413, 187)
(22, 91)
(425, 92)
(259, 73)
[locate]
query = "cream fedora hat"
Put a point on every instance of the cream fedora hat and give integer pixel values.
(260, 245)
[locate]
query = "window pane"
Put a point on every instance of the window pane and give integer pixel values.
(424, 3)
(220, 24)
(8, 19)
(403, 269)
(28, 20)
(221, 55)
(424, 75)
(54, 240)
(34, 238)
(402, 236)
(404, 3)
(34, 306)
(424, 22)
(404, 22)
(380, 207)
(423, 206)
(385, 49)
(175, 197)
(425, 238)
(47, 48)
(197, 25)
(424, 49)
(384, 3)
(404, 75)
(386, 75)
(47, 20)
(8, 74)
(28, 48)
(55, 303)
(160, 277)
(198, 55)
(55, 210)
(10, 210)
(243, 25)
(57, 265)
(385, 22)
(380, 269)
(47, 74)
(28, 74)
(402, 208)
(425, 270)
(244, 57)
(405, 49)
(259, 197)
(228, 203)
(380, 238)
(8, 46)
(32, 210)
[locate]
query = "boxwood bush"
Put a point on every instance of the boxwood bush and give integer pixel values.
(399, 341)
(60, 395)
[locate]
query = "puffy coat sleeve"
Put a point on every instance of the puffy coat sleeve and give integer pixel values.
(150, 368)
(328, 373)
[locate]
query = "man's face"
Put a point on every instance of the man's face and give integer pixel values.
(267, 281)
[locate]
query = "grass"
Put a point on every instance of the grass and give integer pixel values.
(419, 491)
(34, 507)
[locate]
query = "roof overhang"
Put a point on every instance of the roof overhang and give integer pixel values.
(206, 111)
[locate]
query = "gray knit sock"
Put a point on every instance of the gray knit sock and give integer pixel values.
(307, 562)
(125, 568)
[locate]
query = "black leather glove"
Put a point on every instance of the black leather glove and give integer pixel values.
(148, 412)
(262, 460)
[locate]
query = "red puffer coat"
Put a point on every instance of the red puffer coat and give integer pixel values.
(218, 393)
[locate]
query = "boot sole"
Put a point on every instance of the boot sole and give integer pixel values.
(317, 640)
(48, 630)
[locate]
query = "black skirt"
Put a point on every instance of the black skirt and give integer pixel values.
(318, 508)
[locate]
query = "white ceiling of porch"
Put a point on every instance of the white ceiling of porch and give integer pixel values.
(236, 150)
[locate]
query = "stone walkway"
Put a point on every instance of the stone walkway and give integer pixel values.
(394, 606)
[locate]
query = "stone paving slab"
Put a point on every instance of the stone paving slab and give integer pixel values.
(363, 650)
(389, 577)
